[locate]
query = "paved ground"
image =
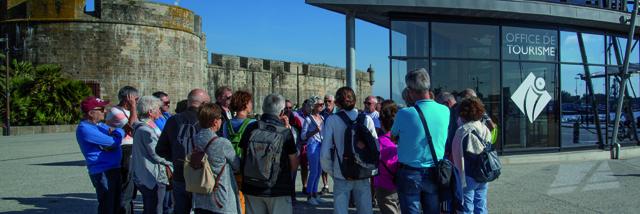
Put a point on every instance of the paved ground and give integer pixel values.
(46, 174)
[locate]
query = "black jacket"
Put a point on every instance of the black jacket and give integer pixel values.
(168, 146)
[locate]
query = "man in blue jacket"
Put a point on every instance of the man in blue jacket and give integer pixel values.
(100, 146)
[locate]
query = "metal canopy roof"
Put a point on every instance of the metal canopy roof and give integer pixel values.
(379, 11)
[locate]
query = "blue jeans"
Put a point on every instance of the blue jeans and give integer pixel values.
(475, 196)
(361, 195)
(107, 186)
(417, 192)
(313, 155)
(153, 198)
(181, 197)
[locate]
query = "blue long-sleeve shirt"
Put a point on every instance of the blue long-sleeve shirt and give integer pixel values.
(101, 150)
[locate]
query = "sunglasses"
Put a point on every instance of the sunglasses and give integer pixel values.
(288, 108)
(167, 103)
(319, 104)
(101, 109)
(328, 101)
(367, 103)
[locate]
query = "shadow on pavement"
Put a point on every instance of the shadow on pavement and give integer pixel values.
(628, 175)
(65, 163)
(58, 203)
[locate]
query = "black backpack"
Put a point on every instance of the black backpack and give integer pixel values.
(361, 150)
(487, 166)
(263, 153)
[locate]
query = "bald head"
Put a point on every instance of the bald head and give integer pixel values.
(370, 103)
(197, 97)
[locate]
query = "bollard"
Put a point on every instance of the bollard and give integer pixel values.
(615, 151)
(576, 132)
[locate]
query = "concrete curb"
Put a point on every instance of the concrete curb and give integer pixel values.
(596, 154)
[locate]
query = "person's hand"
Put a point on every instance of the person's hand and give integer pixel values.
(131, 100)
(285, 120)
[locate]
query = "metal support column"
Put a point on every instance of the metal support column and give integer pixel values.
(351, 50)
(623, 82)
(587, 78)
(628, 110)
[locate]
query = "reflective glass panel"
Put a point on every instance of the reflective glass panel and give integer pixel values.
(570, 47)
(530, 97)
(399, 69)
(409, 38)
(577, 123)
(465, 40)
(529, 44)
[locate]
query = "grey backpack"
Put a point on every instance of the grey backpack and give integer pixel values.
(262, 160)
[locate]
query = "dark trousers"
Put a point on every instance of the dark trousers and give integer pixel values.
(107, 185)
(167, 205)
(181, 197)
(203, 211)
(153, 198)
(128, 188)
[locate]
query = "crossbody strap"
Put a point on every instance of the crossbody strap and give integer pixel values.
(484, 142)
(427, 134)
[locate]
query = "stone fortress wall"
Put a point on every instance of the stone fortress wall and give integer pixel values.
(150, 46)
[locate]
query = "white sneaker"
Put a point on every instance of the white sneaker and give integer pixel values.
(313, 201)
(320, 200)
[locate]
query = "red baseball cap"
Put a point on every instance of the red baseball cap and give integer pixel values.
(92, 102)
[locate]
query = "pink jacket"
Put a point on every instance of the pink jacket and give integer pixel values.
(388, 157)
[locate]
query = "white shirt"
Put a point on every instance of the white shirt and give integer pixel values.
(375, 115)
(333, 133)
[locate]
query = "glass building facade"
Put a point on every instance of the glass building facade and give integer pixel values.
(533, 79)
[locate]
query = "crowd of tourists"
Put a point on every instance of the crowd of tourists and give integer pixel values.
(428, 156)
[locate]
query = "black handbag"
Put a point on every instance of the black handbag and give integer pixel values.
(442, 172)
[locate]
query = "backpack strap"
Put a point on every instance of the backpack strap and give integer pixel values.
(345, 118)
(217, 184)
(427, 134)
(484, 142)
(244, 125)
(209, 143)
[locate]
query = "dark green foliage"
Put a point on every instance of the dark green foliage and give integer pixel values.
(44, 95)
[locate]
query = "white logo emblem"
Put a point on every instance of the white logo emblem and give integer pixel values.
(530, 97)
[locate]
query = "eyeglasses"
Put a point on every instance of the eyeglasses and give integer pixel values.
(367, 103)
(100, 109)
(319, 104)
(328, 101)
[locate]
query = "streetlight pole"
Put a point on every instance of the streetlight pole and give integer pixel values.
(6, 88)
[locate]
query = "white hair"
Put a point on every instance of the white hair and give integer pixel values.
(146, 104)
(418, 80)
(329, 97)
(273, 104)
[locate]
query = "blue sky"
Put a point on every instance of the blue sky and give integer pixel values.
(290, 30)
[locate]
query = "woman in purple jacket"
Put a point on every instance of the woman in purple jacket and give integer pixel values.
(385, 189)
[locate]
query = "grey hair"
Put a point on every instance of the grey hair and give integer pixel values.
(418, 80)
(467, 93)
(329, 97)
(126, 91)
(443, 97)
(146, 104)
(273, 104)
(313, 100)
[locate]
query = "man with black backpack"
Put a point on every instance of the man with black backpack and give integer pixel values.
(420, 147)
(173, 145)
(269, 160)
(350, 154)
